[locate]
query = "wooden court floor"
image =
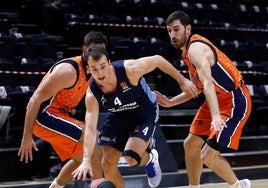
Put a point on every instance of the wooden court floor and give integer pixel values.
(262, 183)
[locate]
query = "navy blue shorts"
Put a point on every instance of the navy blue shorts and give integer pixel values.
(116, 130)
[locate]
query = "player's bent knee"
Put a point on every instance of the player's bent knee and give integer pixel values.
(187, 144)
(133, 155)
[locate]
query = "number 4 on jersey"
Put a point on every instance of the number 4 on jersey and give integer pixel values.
(145, 131)
(117, 101)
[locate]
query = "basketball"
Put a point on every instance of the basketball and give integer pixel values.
(106, 184)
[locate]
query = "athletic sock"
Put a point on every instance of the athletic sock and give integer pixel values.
(194, 186)
(56, 185)
(236, 184)
(150, 158)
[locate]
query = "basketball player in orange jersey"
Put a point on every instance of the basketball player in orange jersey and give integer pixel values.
(220, 119)
(47, 116)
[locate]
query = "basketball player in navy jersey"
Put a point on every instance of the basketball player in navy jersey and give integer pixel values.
(132, 113)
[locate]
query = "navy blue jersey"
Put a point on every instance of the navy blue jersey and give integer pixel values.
(127, 100)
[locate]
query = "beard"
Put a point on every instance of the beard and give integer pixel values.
(179, 43)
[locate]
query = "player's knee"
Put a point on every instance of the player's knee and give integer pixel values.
(132, 158)
(210, 155)
(207, 158)
(193, 143)
(187, 144)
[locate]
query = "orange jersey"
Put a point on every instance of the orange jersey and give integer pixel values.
(53, 122)
(232, 94)
(68, 98)
(225, 75)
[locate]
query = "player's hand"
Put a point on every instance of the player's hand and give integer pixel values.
(82, 171)
(189, 87)
(218, 125)
(25, 150)
(162, 100)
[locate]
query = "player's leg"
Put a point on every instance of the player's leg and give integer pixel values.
(212, 159)
(137, 152)
(109, 164)
(96, 167)
(235, 108)
(199, 131)
(194, 165)
(48, 129)
(65, 174)
(113, 140)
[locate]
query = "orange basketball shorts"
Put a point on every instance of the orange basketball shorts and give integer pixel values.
(235, 108)
(61, 131)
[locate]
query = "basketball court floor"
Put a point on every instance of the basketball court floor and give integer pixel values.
(261, 183)
(138, 181)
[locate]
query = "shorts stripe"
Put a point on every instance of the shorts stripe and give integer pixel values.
(60, 125)
(230, 136)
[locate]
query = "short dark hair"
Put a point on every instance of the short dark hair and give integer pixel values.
(96, 37)
(96, 53)
(179, 15)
